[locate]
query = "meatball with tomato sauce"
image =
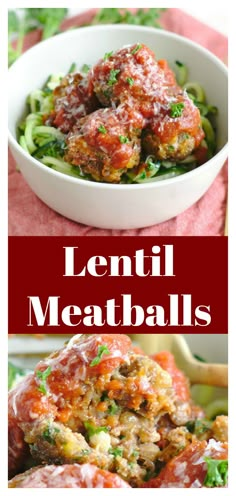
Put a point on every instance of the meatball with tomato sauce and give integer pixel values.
(73, 98)
(95, 401)
(131, 74)
(176, 131)
(196, 466)
(106, 143)
(73, 476)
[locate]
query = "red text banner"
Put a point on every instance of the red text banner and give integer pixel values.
(117, 284)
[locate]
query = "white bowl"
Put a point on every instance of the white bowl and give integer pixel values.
(111, 205)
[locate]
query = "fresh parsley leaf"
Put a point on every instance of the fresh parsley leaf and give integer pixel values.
(22, 21)
(13, 22)
(217, 473)
(43, 379)
(113, 76)
(113, 408)
(199, 358)
(130, 81)
(124, 139)
(102, 350)
(107, 55)
(142, 17)
(102, 129)
(179, 64)
(85, 68)
(116, 451)
(176, 109)
(136, 48)
(15, 374)
(72, 68)
(49, 434)
(48, 19)
(185, 135)
(93, 429)
(198, 427)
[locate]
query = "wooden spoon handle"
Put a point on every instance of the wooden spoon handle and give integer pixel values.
(213, 374)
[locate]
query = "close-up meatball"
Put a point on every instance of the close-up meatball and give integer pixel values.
(73, 98)
(95, 401)
(72, 476)
(101, 413)
(106, 143)
(190, 467)
(131, 74)
(176, 131)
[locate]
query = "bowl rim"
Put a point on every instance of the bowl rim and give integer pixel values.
(93, 184)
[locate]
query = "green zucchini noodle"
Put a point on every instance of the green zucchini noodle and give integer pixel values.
(48, 145)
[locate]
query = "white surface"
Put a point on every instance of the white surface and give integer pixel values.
(107, 205)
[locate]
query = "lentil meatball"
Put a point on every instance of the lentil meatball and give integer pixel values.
(73, 98)
(73, 476)
(106, 143)
(189, 469)
(130, 74)
(94, 401)
(176, 131)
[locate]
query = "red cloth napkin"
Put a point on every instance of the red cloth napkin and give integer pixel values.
(29, 216)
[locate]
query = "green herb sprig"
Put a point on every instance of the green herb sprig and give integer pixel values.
(142, 17)
(43, 379)
(22, 21)
(176, 109)
(217, 472)
(102, 350)
(92, 429)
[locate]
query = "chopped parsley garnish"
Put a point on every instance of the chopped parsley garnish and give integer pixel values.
(199, 358)
(85, 68)
(84, 452)
(104, 396)
(171, 148)
(106, 93)
(136, 48)
(113, 408)
(176, 109)
(107, 55)
(43, 379)
(102, 350)
(72, 68)
(49, 434)
(93, 429)
(179, 64)
(130, 81)
(123, 139)
(135, 453)
(102, 129)
(185, 136)
(142, 175)
(217, 473)
(112, 76)
(116, 451)
(198, 427)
